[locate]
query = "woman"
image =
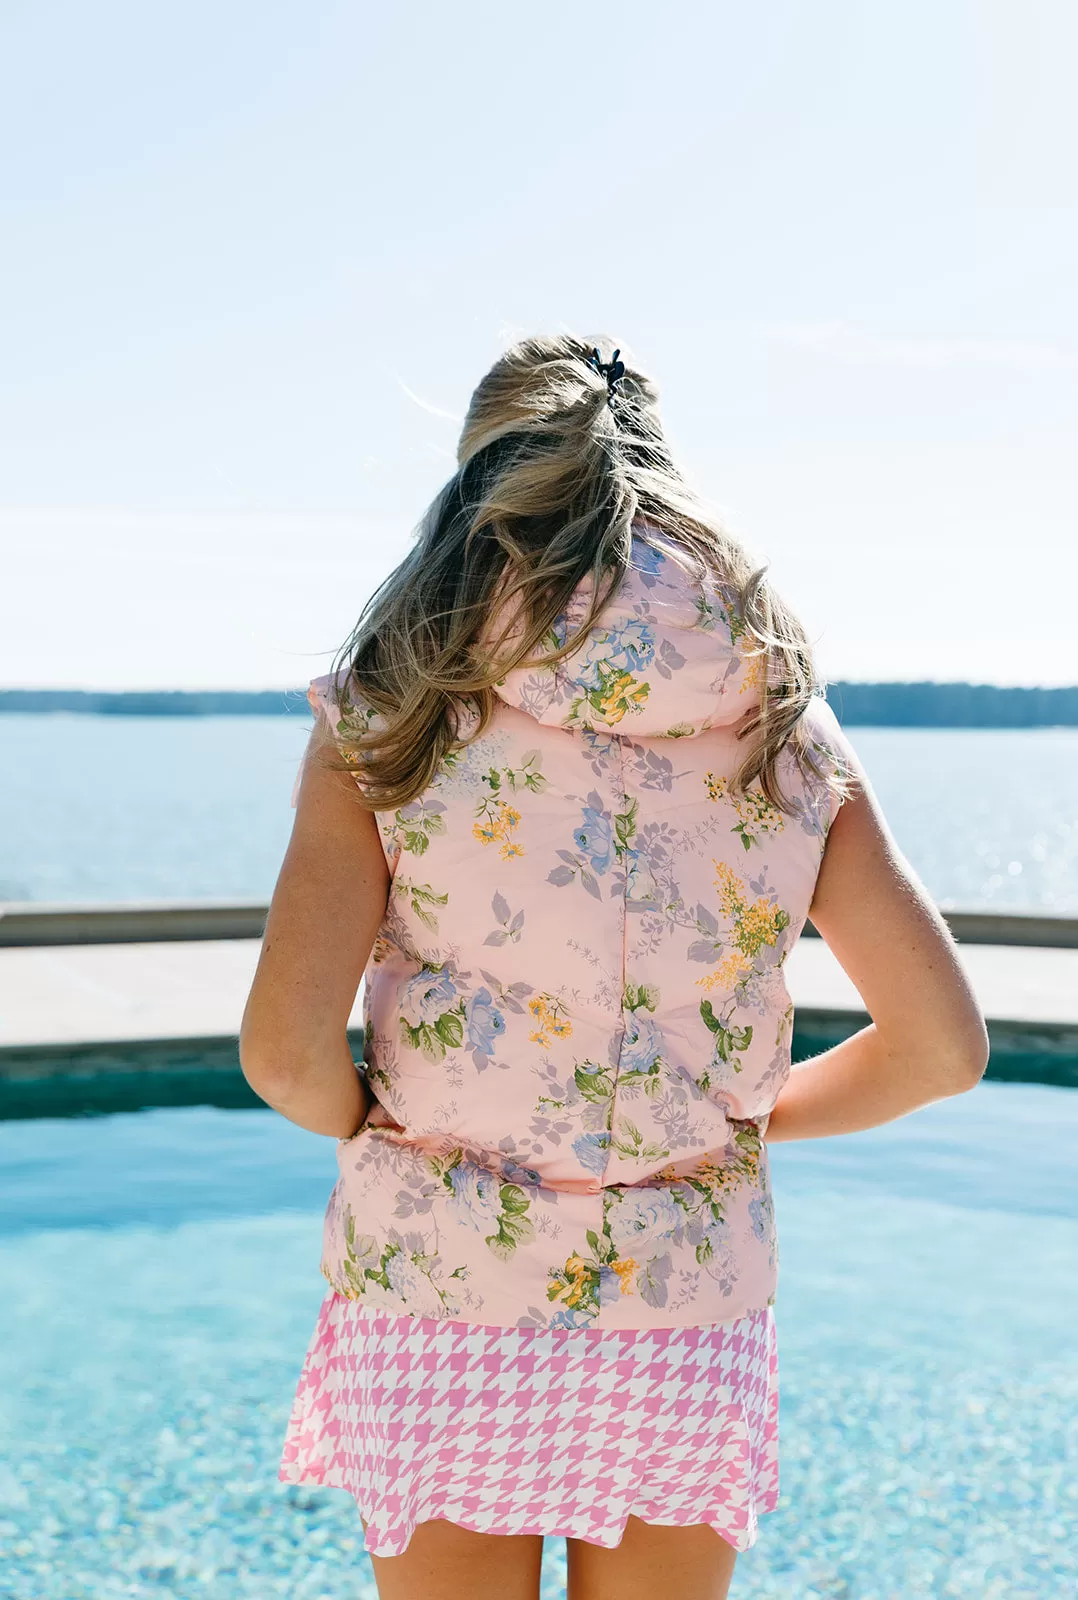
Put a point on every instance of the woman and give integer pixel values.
(571, 795)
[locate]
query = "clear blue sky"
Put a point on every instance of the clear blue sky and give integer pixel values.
(257, 255)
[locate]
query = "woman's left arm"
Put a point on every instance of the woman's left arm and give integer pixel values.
(325, 913)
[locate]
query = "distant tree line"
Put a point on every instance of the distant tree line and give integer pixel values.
(158, 702)
(875, 705)
(952, 705)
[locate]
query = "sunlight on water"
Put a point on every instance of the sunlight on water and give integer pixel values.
(128, 808)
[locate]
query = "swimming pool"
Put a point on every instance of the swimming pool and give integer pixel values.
(159, 1281)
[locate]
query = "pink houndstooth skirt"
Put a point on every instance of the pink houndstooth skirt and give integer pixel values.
(563, 1432)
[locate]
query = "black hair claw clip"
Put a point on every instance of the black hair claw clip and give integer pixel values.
(613, 370)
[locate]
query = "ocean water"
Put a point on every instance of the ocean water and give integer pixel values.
(100, 808)
(159, 1283)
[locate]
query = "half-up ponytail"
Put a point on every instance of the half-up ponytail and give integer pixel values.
(552, 473)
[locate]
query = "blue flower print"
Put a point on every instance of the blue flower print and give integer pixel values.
(610, 1286)
(595, 837)
(589, 672)
(427, 996)
(569, 1318)
(761, 1212)
(642, 1045)
(624, 649)
(590, 1150)
(513, 1172)
(647, 559)
(589, 1067)
(484, 1023)
(643, 1217)
(631, 647)
(475, 1195)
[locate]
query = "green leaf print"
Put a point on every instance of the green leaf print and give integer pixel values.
(450, 1029)
(708, 1014)
(625, 830)
(514, 1226)
(414, 833)
(421, 897)
(513, 1198)
(728, 1039)
(594, 1082)
(640, 997)
(433, 1039)
(361, 1257)
(617, 692)
(528, 775)
(628, 1141)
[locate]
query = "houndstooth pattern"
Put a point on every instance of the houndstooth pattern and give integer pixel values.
(563, 1432)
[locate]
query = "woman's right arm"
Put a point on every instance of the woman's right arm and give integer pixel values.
(927, 1038)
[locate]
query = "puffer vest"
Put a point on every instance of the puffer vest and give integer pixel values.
(575, 1014)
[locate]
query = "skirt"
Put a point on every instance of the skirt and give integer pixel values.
(561, 1432)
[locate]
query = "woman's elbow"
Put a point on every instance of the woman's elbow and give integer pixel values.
(963, 1062)
(271, 1069)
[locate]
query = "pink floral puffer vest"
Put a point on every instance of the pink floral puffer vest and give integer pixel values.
(576, 1020)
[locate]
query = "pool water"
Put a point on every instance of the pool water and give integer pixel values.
(159, 1282)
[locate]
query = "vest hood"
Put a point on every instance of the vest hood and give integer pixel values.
(661, 661)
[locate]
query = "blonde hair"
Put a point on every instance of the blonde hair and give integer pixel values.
(552, 473)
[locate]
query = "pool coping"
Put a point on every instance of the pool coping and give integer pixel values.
(85, 1078)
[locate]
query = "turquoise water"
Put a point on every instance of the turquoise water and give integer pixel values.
(127, 808)
(158, 1274)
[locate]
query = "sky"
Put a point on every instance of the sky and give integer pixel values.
(257, 256)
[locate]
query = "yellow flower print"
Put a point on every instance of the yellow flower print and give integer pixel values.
(713, 1177)
(735, 621)
(755, 925)
(618, 696)
(754, 671)
(575, 1287)
(754, 811)
(497, 820)
(551, 1020)
(625, 1270)
(728, 974)
(730, 887)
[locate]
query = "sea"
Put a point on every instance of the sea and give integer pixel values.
(99, 808)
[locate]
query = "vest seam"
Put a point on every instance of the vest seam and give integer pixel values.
(623, 801)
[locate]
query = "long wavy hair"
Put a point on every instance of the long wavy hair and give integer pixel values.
(552, 474)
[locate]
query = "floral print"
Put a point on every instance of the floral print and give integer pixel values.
(481, 1200)
(756, 816)
(575, 1014)
(607, 675)
(496, 816)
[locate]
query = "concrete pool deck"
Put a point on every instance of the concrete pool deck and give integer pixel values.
(133, 1010)
(116, 1007)
(62, 995)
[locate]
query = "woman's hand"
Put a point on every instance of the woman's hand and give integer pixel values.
(927, 1039)
(325, 913)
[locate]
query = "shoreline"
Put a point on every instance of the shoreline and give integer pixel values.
(856, 704)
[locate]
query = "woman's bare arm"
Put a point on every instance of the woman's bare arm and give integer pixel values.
(927, 1038)
(326, 910)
